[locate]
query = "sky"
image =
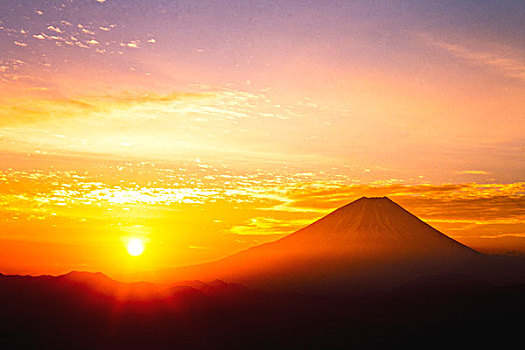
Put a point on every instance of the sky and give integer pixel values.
(206, 127)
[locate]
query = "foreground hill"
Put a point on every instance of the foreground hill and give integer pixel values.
(91, 311)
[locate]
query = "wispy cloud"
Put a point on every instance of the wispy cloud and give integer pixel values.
(312, 196)
(148, 124)
(468, 209)
(269, 226)
(507, 64)
(16, 111)
(273, 203)
(55, 29)
(473, 172)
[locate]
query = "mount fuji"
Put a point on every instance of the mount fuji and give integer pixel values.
(367, 244)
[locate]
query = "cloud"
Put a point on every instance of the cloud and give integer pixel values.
(269, 226)
(470, 208)
(132, 44)
(55, 29)
(148, 124)
(507, 65)
(473, 172)
(315, 197)
(87, 31)
(463, 211)
(16, 111)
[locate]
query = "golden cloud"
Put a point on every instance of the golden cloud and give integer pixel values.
(474, 209)
(16, 111)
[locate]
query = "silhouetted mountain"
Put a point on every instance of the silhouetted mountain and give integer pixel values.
(73, 312)
(368, 244)
(370, 275)
(377, 227)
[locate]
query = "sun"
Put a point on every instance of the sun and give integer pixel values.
(135, 246)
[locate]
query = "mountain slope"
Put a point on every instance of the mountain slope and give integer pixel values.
(375, 226)
(368, 243)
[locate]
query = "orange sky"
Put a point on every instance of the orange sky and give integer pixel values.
(205, 129)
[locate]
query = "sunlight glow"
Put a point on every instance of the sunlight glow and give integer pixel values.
(135, 246)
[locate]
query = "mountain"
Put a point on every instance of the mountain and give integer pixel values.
(84, 310)
(375, 227)
(102, 285)
(399, 283)
(369, 243)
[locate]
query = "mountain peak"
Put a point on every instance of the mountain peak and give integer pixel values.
(374, 225)
(371, 201)
(376, 198)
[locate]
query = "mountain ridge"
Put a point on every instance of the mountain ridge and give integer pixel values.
(49, 312)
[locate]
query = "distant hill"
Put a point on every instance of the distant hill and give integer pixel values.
(91, 311)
